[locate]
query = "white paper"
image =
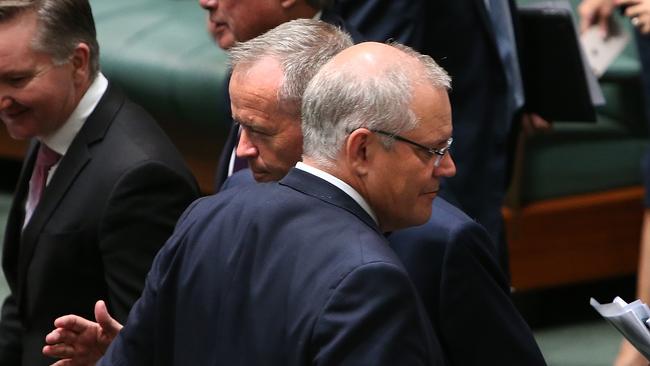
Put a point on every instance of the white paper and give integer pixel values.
(602, 50)
(629, 319)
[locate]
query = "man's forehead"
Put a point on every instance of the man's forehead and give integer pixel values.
(258, 67)
(432, 107)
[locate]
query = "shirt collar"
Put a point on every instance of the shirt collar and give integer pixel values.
(62, 138)
(358, 198)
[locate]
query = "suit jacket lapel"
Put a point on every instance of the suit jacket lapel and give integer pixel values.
(16, 217)
(78, 155)
(316, 187)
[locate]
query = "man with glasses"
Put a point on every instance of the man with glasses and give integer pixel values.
(439, 153)
(298, 272)
(460, 276)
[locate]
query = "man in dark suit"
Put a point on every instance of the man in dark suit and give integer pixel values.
(475, 40)
(101, 186)
(304, 276)
(234, 20)
(443, 244)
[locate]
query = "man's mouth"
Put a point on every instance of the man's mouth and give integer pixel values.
(432, 192)
(218, 24)
(12, 112)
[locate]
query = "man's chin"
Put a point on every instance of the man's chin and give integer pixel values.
(224, 39)
(262, 177)
(18, 133)
(430, 195)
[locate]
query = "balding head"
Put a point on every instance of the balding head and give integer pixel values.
(378, 117)
(367, 85)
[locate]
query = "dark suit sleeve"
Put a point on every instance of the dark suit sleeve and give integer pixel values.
(479, 323)
(140, 216)
(10, 333)
(135, 344)
(372, 318)
(380, 20)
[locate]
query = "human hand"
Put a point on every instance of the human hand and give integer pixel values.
(639, 13)
(629, 356)
(596, 12)
(533, 124)
(80, 342)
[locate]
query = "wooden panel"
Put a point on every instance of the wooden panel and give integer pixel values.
(586, 237)
(200, 149)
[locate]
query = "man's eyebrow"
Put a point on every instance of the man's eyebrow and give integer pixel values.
(13, 72)
(243, 123)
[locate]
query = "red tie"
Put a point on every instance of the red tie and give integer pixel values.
(45, 160)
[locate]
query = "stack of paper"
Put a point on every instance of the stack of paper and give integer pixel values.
(629, 319)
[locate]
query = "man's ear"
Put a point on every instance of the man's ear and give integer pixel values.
(358, 149)
(81, 63)
(286, 4)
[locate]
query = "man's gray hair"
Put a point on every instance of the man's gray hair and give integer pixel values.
(338, 101)
(300, 46)
(62, 25)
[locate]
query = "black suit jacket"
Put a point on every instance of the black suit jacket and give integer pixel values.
(450, 259)
(109, 207)
(230, 145)
(301, 277)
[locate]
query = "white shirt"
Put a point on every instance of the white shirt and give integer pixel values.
(62, 138)
(340, 185)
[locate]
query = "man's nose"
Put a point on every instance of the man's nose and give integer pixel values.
(447, 167)
(5, 102)
(245, 148)
(208, 4)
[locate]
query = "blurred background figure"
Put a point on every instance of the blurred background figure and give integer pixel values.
(600, 12)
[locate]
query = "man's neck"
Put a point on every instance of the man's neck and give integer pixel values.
(301, 10)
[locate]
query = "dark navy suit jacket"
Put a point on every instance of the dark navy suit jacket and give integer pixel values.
(300, 277)
(221, 175)
(458, 35)
(464, 291)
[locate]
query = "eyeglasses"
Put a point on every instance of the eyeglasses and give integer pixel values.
(439, 153)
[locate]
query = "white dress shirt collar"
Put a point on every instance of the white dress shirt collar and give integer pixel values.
(340, 185)
(62, 138)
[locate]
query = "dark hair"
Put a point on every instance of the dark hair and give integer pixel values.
(63, 24)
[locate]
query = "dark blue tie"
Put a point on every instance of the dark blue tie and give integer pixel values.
(502, 24)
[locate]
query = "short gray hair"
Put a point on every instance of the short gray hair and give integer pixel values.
(300, 46)
(62, 25)
(339, 101)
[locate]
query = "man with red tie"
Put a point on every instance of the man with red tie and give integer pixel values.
(101, 186)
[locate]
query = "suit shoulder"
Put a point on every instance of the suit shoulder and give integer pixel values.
(138, 137)
(446, 221)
